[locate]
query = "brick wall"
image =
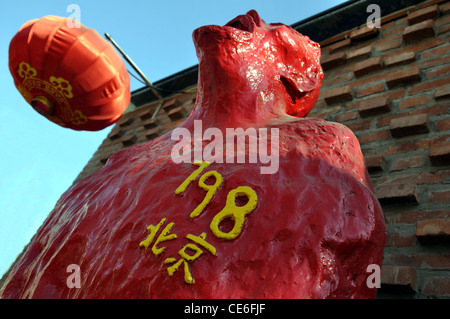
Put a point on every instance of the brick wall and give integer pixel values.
(391, 86)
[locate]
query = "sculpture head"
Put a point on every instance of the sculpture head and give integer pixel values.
(272, 60)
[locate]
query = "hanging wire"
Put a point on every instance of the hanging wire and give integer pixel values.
(161, 89)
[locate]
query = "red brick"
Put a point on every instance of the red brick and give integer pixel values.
(445, 174)
(433, 62)
(433, 230)
(407, 146)
(402, 76)
(375, 88)
(373, 136)
(363, 52)
(319, 103)
(430, 111)
(128, 140)
(407, 276)
(390, 193)
(324, 113)
(419, 31)
(387, 26)
(152, 133)
(421, 47)
(392, 28)
(339, 45)
(436, 72)
(374, 106)
(418, 178)
(433, 260)
(146, 114)
(338, 79)
(401, 58)
(430, 12)
(409, 125)
(408, 162)
(413, 102)
(388, 45)
(429, 85)
(171, 125)
(344, 117)
(374, 163)
(124, 121)
(332, 60)
(363, 33)
(370, 78)
(399, 240)
(176, 113)
(435, 109)
(439, 51)
(367, 66)
(443, 28)
(399, 276)
(413, 216)
(443, 125)
(350, 105)
(115, 133)
(440, 197)
(171, 104)
(150, 123)
(437, 287)
(445, 7)
(439, 151)
(338, 94)
(442, 21)
(359, 126)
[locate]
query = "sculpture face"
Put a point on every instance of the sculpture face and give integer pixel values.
(270, 58)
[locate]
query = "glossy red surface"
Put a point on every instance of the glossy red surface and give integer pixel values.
(316, 226)
(77, 70)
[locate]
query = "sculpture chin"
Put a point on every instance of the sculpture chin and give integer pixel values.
(212, 37)
(240, 29)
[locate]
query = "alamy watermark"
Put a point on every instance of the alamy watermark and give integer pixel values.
(373, 20)
(74, 19)
(374, 279)
(73, 280)
(190, 148)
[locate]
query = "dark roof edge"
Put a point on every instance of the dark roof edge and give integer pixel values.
(319, 27)
(346, 16)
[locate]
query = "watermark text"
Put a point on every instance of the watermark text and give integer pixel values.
(191, 147)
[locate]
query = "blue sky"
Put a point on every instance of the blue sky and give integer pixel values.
(39, 160)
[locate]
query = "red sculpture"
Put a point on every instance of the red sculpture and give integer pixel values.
(70, 75)
(145, 226)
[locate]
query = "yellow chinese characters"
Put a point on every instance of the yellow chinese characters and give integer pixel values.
(230, 211)
(161, 238)
(236, 213)
(185, 257)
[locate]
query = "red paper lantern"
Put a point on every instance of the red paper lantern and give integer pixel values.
(70, 75)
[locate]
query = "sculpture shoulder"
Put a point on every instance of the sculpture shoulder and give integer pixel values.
(317, 131)
(330, 142)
